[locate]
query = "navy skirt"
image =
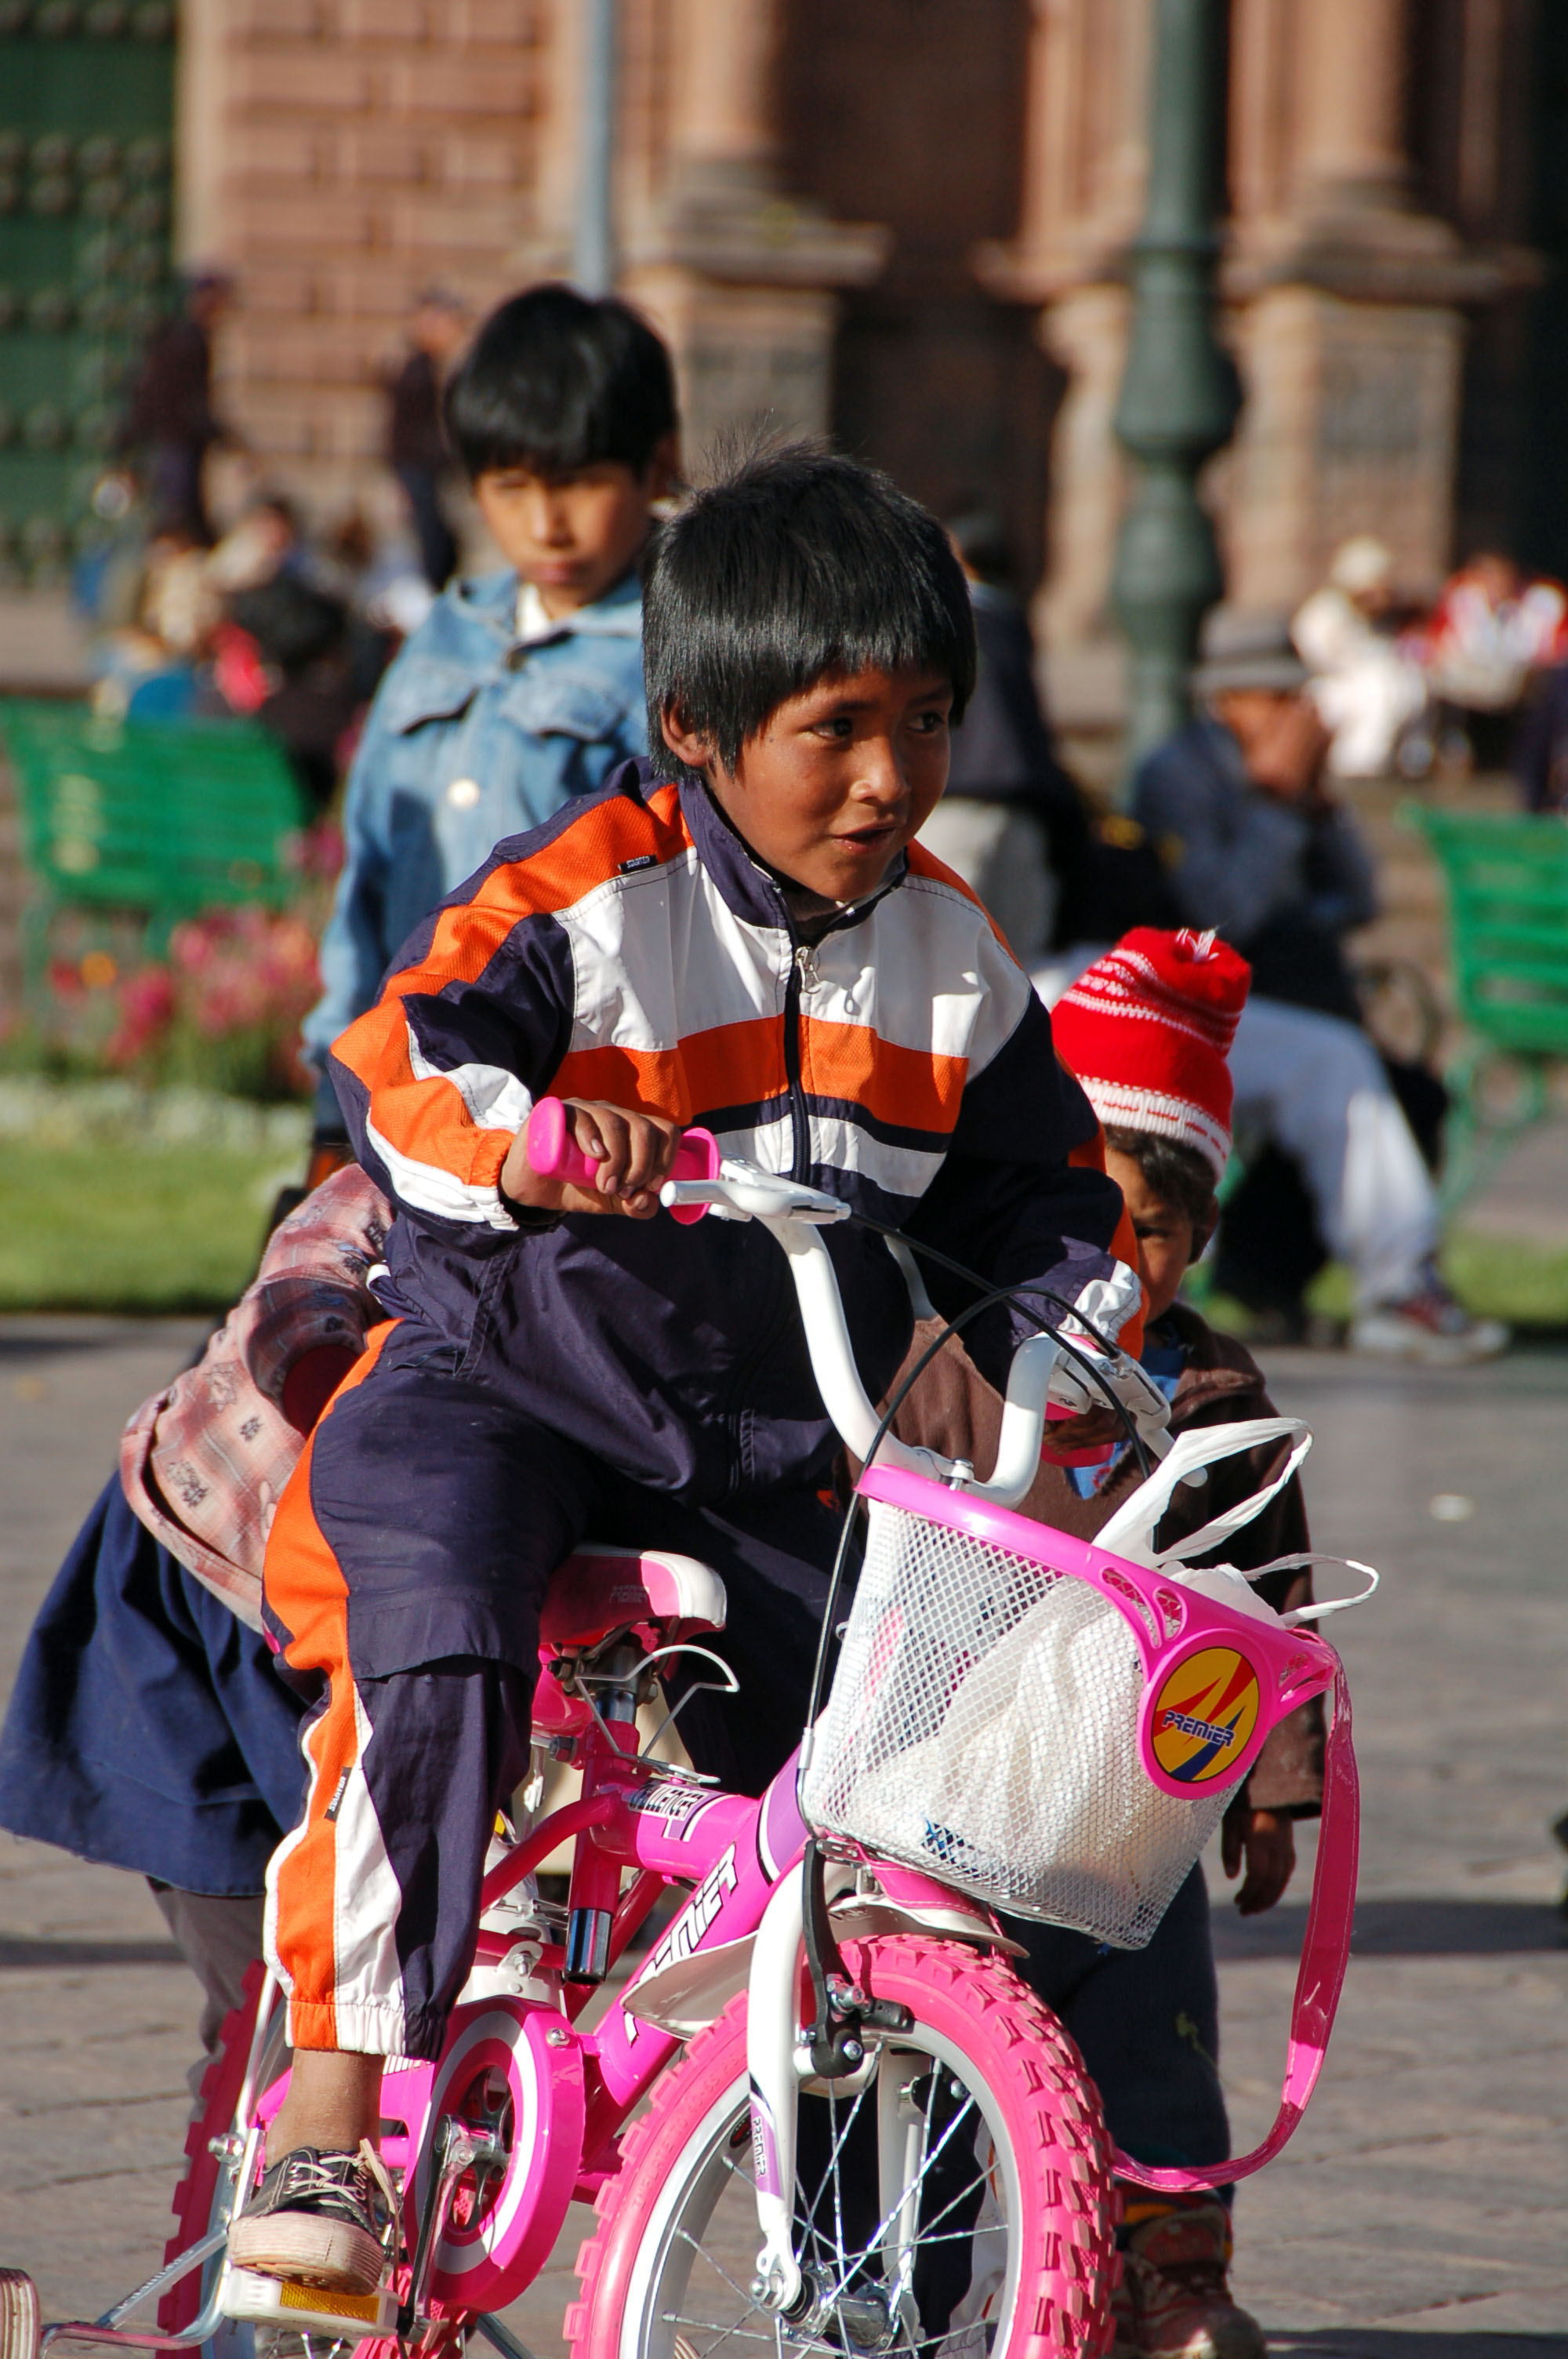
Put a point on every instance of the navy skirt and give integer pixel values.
(148, 1728)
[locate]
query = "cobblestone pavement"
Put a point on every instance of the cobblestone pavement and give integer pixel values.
(1422, 2211)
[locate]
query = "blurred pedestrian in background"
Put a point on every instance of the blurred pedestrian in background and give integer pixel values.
(1492, 632)
(1541, 746)
(417, 449)
(170, 424)
(1010, 822)
(1366, 685)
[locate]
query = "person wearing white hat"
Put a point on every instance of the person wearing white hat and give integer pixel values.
(1368, 692)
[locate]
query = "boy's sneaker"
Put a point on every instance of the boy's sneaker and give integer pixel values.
(319, 2220)
(1428, 1326)
(1175, 2270)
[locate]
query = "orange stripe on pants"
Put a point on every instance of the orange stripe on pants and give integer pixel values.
(306, 1592)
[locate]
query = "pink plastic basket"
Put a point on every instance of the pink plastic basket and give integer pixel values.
(1191, 1688)
(1050, 1726)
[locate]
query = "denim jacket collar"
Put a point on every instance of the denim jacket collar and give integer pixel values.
(490, 605)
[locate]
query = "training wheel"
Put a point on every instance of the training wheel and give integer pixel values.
(512, 2069)
(18, 2315)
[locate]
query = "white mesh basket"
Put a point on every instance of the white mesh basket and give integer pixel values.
(983, 1727)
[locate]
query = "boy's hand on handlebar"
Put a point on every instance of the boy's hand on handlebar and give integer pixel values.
(634, 1154)
(1265, 1841)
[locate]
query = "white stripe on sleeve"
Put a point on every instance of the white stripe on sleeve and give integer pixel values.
(430, 1187)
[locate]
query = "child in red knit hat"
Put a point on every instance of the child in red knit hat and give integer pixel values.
(1146, 1030)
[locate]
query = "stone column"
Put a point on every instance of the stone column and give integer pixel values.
(1345, 304)
(739, 275)
(202, 107)
(1349, 324)
(1351, 157)
(1083, 195)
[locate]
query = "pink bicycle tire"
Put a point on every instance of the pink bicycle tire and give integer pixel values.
(1041, 2097)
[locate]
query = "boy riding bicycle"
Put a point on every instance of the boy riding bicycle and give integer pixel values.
(757, 945)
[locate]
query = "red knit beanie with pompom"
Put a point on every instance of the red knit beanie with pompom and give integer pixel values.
(1147, 1031)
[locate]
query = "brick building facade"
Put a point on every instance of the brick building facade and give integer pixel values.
(904, 220)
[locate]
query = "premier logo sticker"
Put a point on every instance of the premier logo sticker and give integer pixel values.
(1205, 1716)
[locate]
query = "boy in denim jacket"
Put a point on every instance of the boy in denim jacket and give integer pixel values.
(524, 689)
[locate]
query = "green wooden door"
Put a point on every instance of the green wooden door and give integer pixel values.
(86, 125)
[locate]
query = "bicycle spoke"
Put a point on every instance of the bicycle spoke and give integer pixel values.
(712, 2326)
(684, 2235)
(926, 2236)
(807, 2208)
(837, 2147)
(738, 2170)
(871, 2226)
(926, 2160)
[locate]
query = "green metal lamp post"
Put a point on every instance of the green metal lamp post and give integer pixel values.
(1179, 397)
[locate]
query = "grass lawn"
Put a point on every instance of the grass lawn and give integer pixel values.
(107, 1228)
(1522, 1283)
(1497, 1277)
(123, 1229)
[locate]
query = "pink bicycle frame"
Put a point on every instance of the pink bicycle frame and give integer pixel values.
(573, 2090)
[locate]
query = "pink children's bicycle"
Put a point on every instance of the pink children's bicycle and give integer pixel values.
(824, 2115)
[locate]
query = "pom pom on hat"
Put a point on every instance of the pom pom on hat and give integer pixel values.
(1147, 1030)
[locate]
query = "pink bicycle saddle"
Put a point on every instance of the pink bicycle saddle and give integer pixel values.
(603, 1588)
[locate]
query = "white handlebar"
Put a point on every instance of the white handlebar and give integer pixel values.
(795, 1214)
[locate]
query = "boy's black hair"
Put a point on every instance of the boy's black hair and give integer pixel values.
(1177, 1173)
(556, 381)
(798, 565)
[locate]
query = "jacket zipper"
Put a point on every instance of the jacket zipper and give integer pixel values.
(802, 973)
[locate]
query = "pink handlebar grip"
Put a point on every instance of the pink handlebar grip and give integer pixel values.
(556, 1155)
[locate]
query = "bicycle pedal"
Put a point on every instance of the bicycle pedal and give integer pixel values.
(273, 2301)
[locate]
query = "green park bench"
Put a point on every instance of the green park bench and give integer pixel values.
(1507, 884)
(155, 819)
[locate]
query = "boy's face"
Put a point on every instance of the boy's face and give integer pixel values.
(573, 536)
(1167, 1240)
(838, 780)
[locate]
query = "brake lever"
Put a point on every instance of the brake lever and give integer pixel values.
(742, 1192)
(1073, 1388)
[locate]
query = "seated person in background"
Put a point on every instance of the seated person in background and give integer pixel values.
(754, 943)
(1145, 1030)
(1368, 688)
(523, 689)
(1492, 626)
(1013, 822)
(1259, 852)
(1257, 845)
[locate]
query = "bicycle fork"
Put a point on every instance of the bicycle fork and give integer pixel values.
(841, 2045)
(771, 2034)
